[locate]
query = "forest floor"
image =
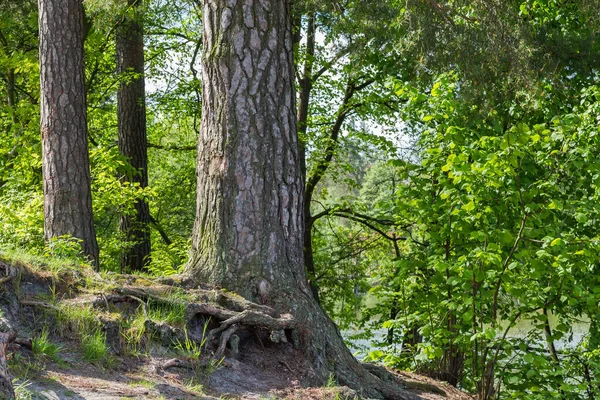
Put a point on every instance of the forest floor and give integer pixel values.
(85, 336)
(142, 379)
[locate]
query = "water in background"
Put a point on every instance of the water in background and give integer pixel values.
(361, 346)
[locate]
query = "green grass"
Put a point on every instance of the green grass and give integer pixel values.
(193, 351)
(331, 381)
(133, 332)
(75, 319)
(144, 383)
(94, 346)
(22, 367)
(193, 385)
(190, 349)
(172, 314)
(43, 348)
(21, 390)
(47, 262)
(84, 323)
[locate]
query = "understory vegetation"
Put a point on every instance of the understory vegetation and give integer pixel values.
(73, 325)
(452, 162)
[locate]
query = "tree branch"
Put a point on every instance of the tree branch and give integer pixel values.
(161, 231)
(343, 112)
(173, 148)
(509, 257)
(330, 64)
(368, 225)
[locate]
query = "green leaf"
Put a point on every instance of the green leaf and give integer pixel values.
(470, 206)
(435, 92)
(555, 205)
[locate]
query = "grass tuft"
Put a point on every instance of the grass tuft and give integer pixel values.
(79, 320)
(172, 314)
(134, 336)
(83, 322)
(43, 348)
(94, 346)
(22, 391)
(189, 348)
(193, 351)
(23, 367)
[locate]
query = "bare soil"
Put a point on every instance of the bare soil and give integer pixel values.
(256, 368)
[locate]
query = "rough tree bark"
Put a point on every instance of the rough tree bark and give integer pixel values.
(131, 109)
(6, 388)
(65, 159)
(249, 227)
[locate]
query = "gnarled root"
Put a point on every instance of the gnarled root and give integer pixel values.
(6, 388)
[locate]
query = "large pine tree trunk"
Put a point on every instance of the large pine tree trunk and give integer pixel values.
(132, 136)
(66, 167)
(249, 227)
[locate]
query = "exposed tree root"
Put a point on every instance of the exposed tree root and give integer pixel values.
(6, 388)
(225, 336)
(185, 364)
(228, 319)
(176, 363)
(41, 304)
(6, 279)
(254, 318)
(234, 313)
(24, 342)
(246, 314)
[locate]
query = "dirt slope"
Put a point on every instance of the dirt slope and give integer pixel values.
(131, 337)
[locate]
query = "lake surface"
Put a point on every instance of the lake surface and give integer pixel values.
(523, 329)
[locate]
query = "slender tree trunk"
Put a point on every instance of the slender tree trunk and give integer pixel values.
(65, 159)
(305, 85)
(10, 91)
(249, 228)
(131, 107)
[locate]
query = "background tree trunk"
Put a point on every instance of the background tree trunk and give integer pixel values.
(305, 84)
(65, 159)
(131, 107)
(249, 228)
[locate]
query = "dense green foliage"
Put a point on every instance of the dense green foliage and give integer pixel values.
(452, 158)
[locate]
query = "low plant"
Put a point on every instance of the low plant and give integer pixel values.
(144, 383)
(133, 332)
(64, 248)
(331, 381)
(82, 321)
(43, 348)
(39, 261)
(78, 320)
(193, 350)
(23, 367)
(172, 313)
(193, 385)
(94, 346)
(22, 391)
(189, 348)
